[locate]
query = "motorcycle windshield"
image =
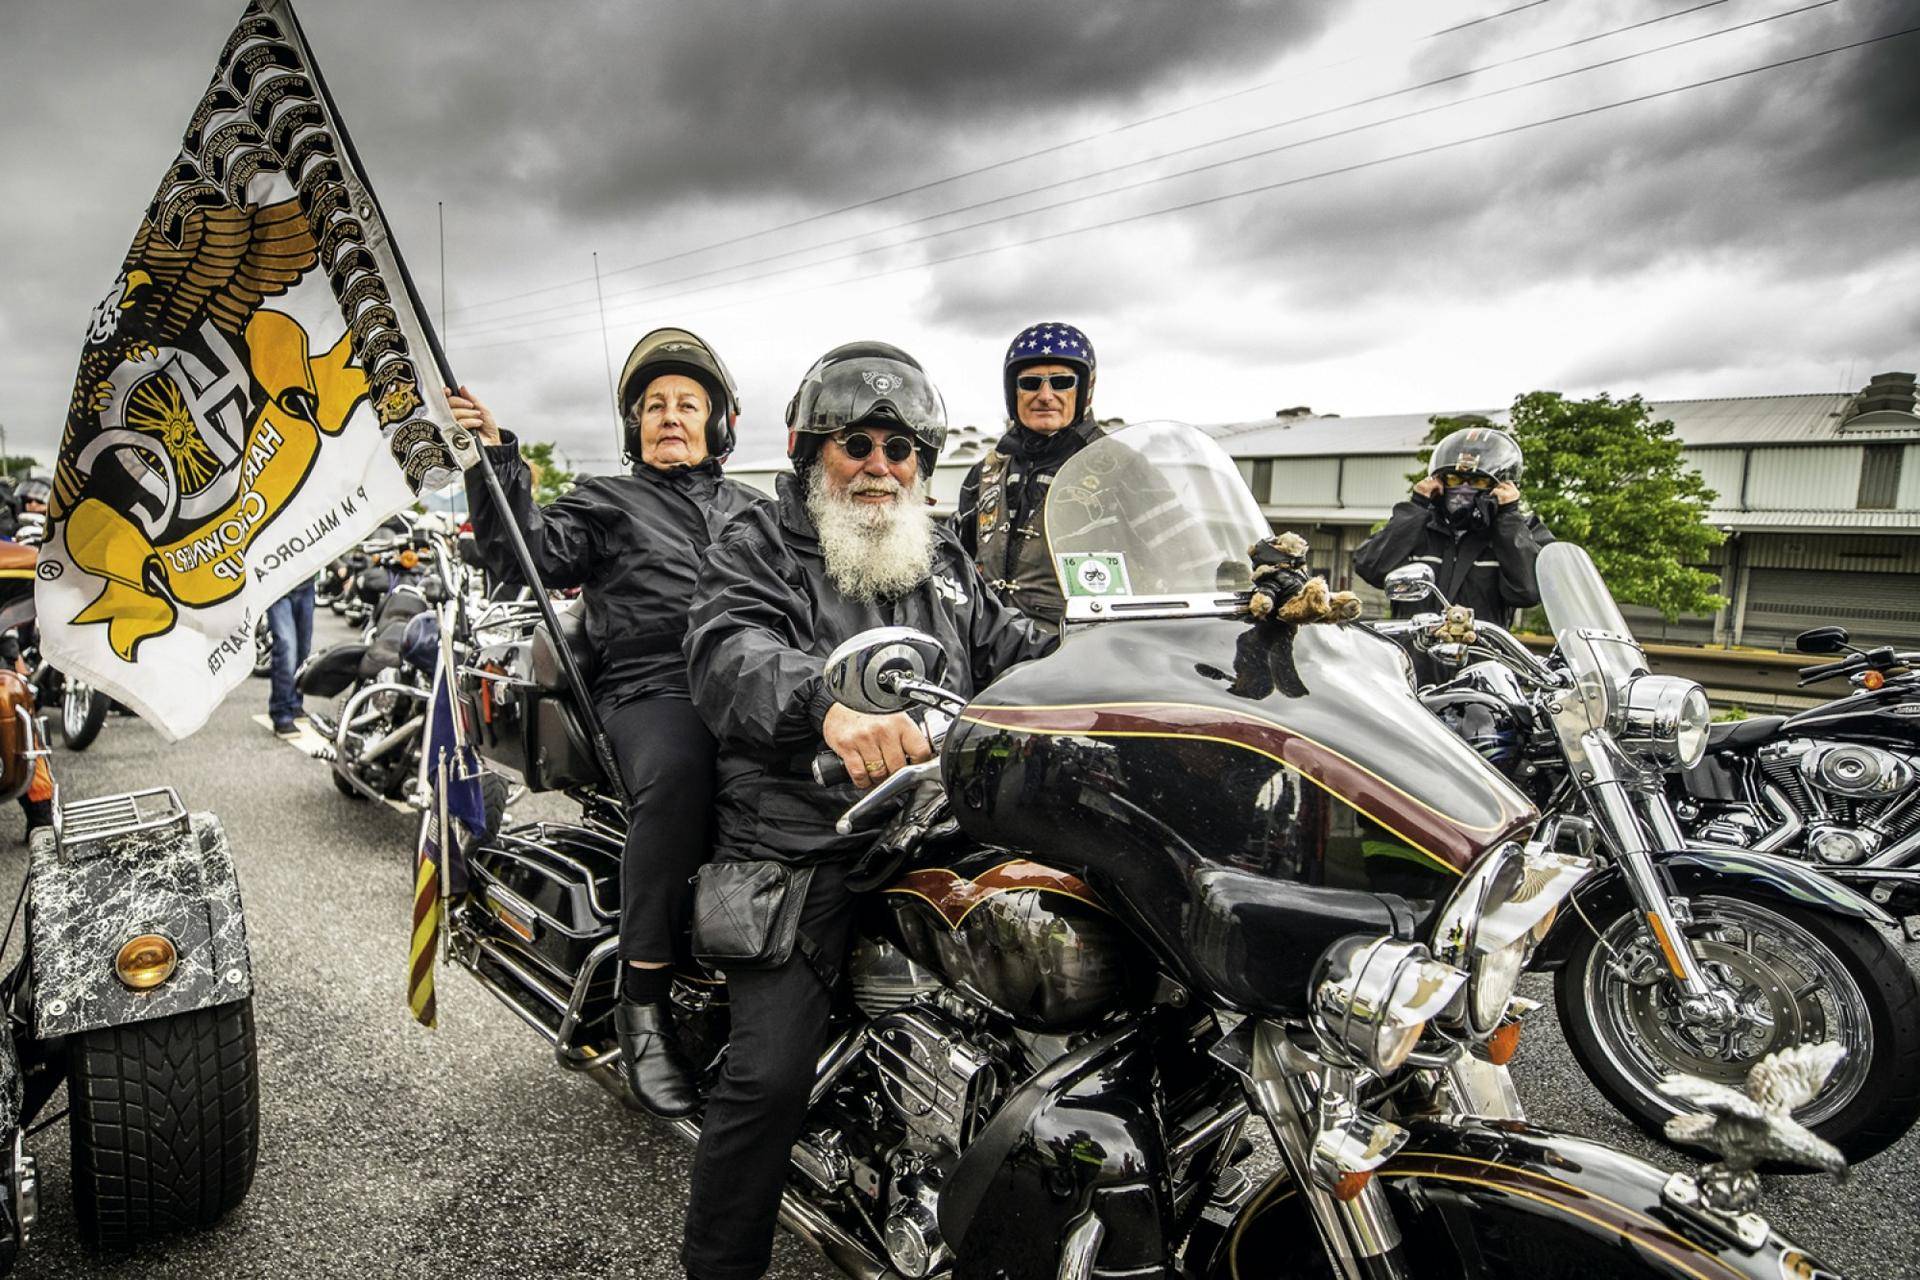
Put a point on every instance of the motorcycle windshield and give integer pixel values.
(1151, 509)
(1595, 640)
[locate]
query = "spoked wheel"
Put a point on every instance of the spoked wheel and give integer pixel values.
(1787, 976)
(83, 709)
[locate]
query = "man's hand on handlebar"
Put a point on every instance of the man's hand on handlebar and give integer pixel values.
(873, 747)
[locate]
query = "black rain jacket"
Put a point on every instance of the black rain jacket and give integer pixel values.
(1487, 568)
(635, 543)
(764, 619)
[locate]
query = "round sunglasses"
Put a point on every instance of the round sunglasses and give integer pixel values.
(1058, 381)
(897, 448)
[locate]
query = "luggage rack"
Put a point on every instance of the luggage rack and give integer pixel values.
(83, 830)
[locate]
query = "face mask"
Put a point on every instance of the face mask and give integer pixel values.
(1458, 503)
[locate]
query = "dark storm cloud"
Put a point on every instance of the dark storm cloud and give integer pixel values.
(828, 100)
(1815, 156)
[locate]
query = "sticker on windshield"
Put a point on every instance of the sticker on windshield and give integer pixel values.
(1095, 573)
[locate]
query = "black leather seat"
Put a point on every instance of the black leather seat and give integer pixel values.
(1743, 735)
(561, 752)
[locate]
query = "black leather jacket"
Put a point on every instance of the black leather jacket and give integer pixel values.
(1488, 568)
(764, 618)
(635, 543)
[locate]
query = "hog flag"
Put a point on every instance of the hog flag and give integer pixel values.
(246, 387)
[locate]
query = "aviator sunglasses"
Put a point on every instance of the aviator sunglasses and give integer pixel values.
(1058, 381)
(897, 448)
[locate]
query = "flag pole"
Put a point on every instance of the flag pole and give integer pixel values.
(522, 554)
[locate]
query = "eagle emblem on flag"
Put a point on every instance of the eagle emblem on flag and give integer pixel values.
(207, 409)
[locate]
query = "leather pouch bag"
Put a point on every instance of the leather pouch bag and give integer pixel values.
(746, 915)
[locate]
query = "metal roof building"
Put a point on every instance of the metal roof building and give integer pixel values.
(1819, 495)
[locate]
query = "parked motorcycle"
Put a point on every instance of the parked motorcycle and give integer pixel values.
(1114, 924)
(1837, 786)
(382, 681)
(1682, 956)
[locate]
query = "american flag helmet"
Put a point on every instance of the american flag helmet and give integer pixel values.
(1050, 343)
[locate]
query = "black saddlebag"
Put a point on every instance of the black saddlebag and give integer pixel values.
(555, 887)
(331, 672)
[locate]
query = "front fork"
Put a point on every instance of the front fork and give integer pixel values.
(1295, 1092)
(1625, 824)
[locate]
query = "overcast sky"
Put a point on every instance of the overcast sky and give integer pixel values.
(1746, 237)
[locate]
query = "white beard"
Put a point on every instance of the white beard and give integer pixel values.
(872, 552)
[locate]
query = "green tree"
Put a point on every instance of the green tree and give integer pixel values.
(19, 465)
(1603, 474)
(550, 479)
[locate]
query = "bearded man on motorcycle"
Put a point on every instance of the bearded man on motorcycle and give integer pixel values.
(850, 545)
(634, 543)
(1465, 518)
(1047, 378)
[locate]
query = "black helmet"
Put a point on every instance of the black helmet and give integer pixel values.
(866, 383)
(678, 351)
(1050, 343)
(1478, 451)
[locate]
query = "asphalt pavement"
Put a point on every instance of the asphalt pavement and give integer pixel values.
(390, 1150)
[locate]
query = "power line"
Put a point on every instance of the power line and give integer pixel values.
(990, 168)
(495, 323)
(1357, 166)
(494, 327)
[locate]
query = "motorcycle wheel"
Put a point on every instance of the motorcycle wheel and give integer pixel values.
(341, 785)
(165, 1121)
(83, 709)
(1816, 976)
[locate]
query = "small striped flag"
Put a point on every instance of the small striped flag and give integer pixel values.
(440, 871)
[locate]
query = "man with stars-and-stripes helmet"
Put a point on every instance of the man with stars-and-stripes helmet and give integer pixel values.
(1048, 380)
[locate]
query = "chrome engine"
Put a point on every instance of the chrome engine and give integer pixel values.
(938, 1079)
(1858, 805)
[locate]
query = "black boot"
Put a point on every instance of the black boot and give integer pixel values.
(656, 1072)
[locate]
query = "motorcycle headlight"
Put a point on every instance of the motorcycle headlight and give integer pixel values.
(1372, 997)
(1665, 718)
(1489, 926)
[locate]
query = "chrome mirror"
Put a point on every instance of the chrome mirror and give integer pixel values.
(869, 672)
(1411, 582)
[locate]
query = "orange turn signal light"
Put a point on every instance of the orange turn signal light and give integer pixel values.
(1873, 680)
(409, 559)
(1504, 1043)
(146, 961)
(1349, 1185)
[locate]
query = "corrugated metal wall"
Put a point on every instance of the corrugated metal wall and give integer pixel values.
(1303, 482)
(1835, 552)
(1720, 468)
(1813, 478)
(1908, 498)
(1379, 480)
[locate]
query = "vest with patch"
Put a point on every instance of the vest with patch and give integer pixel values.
(1015, 560)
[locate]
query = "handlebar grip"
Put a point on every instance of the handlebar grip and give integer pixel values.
(829, 770)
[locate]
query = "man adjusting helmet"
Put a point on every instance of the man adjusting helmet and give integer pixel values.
(1047, 377)
(1465, 519)
(634, 543)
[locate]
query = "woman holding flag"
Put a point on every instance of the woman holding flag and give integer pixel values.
(635, 544)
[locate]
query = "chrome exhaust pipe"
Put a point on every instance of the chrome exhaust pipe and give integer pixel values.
(394, 739)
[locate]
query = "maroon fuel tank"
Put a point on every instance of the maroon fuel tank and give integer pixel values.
(1188, 768)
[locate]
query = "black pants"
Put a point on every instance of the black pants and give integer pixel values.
(757, 1110)
(666, 759)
